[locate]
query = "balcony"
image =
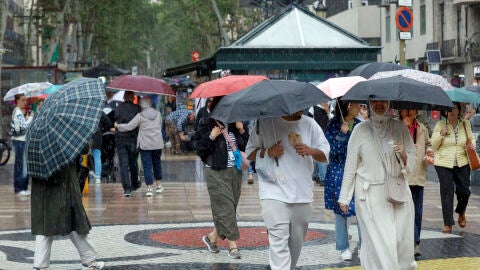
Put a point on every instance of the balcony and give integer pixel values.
(465, 2)
(448, 48)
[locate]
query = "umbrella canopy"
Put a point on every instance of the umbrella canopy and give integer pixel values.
(52, 89)
(28, 89)
(269, 98)
(63, 126)
(473, 88)
(369, 69)
(337, 87)
(417, 75)
(224, 86)
(403, 93)
(462, 95)
(141, 84)
(104, 70)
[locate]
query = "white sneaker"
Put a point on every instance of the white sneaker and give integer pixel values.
(346, 255)
(94, 266)
(24, 193)
(149, 192)
(98, 181)
(159, 189)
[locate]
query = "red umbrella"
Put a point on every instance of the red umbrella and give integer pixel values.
(224, 86)
(141, 84)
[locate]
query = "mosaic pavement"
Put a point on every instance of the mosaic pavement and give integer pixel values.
(164, 232)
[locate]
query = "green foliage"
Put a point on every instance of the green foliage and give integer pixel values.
(124, 32)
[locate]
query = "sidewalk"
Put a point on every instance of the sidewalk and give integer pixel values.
(164, 232)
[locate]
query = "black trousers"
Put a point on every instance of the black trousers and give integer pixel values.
(456, 180)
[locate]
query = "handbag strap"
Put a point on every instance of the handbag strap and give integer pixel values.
(379, 149)
(227, 136)
(464, 128)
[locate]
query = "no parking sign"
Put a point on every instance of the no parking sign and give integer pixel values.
(404, 19)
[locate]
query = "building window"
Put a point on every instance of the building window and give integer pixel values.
(350, 3)
(387, 29)
(423, 20)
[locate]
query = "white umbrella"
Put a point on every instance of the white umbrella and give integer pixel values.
(417, 75)
(28, 89)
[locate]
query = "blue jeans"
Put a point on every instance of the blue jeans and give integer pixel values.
(417, 196)
(20, 177)
(127, 158)
(319, 170)
(250, 169)
(151, 160)
(341, 233)
(97, 159)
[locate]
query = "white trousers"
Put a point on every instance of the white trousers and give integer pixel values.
(43, 248)
(287, 225)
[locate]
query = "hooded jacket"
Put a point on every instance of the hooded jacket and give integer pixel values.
(149, 122)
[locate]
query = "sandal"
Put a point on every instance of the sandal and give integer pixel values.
(234, 253)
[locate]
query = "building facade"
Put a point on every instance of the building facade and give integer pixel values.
(13, 37)
(452, 27)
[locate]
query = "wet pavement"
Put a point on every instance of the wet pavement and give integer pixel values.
(164, 231)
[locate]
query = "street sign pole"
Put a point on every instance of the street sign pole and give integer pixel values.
(404, 21)
(402, 49)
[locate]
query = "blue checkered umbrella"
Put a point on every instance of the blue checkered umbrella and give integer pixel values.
(63, 126)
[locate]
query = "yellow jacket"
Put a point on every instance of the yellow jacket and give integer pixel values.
(446, 149)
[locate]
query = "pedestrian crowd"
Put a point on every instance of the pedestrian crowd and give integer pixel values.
(340, 145)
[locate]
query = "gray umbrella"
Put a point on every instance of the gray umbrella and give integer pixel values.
(63, 126)
(265, 99)
(367, 70)
(403, 93)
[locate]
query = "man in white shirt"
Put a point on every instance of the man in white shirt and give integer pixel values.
(284, 150)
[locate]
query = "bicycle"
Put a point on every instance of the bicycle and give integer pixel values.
(5, 149)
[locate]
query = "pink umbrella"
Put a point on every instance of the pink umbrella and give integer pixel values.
(141, 84)
(337, 87)
(226, 85)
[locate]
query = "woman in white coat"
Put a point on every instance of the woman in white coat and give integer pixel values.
(376, 147)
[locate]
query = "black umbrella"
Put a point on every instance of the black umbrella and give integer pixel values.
(265, 99)
(367, 70)
(403, 93)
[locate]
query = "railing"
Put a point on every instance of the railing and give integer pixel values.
(432, 46)
(465, 2)
(449, 48)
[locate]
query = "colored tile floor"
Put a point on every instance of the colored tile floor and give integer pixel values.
(164, 232)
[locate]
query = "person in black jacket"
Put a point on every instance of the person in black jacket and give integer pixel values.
(126, 143)
(223, 179)
(104, 125)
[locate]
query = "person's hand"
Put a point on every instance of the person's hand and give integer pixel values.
(398, 148)
(344, 129)
(115, 125)
(182, 137)
(343, 207)
(240, 127)
(216, 131)
(303, 149)
(31, 114)
(276, 150)
(444, 131)
(430, 152)
(112, 130)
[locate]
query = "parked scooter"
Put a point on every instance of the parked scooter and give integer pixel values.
(5, 149)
